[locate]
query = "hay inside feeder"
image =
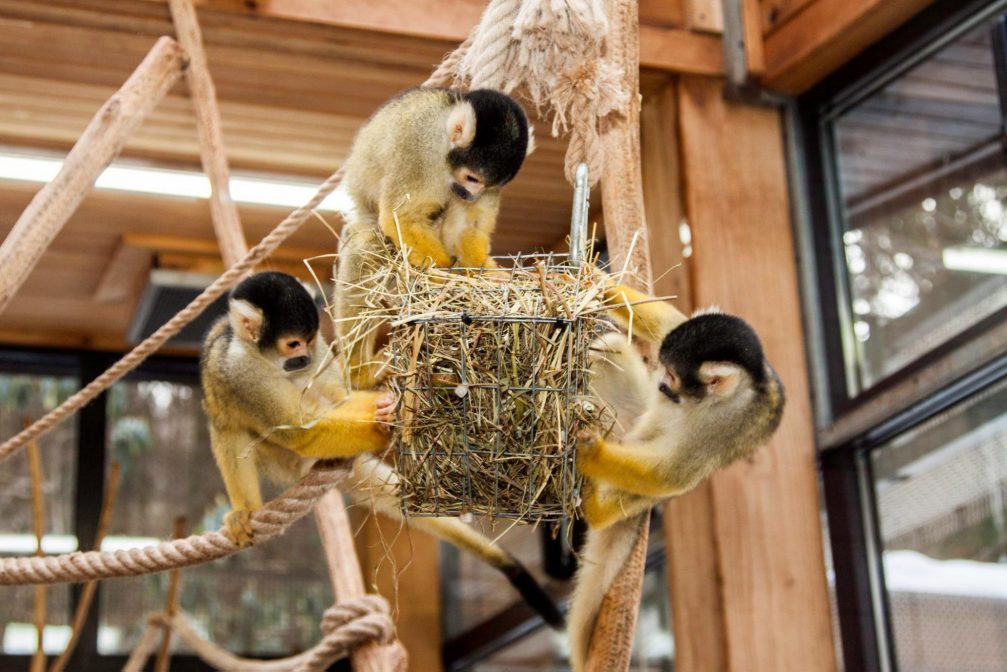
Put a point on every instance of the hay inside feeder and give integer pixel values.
(491, 368)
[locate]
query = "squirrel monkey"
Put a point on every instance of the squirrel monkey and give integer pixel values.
(275, 407)
(714, 400)
(256, 366)
(425, 172)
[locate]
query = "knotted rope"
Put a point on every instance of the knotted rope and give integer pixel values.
(271, 520)
(552, 51)
(345, 626)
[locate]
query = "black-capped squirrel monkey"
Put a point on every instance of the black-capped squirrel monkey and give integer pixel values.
(277, 401)
(714, 400)
(425, 172)
(273, 404)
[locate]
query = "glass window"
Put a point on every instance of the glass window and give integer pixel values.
(922, 193)
(28, 397)
(266, 601)
(941, 492)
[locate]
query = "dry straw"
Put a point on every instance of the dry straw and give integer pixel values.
(491, 369)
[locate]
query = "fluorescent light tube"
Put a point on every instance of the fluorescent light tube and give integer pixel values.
(975, 259)
(290, 193)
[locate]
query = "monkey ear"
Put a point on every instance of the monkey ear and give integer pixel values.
(462, 125)
(721, 378)
(531, 140)
(246, 319)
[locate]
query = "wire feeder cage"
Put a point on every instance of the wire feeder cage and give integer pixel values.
(491, 367)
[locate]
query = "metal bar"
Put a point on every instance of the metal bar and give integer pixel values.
(578, 220)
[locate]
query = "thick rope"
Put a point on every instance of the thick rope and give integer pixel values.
(345, 626)
(271, 520)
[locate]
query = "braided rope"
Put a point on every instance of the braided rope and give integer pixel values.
(345, 626)
(141, 352)
(271, 520)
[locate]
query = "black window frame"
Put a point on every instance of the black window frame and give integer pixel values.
(852, 425)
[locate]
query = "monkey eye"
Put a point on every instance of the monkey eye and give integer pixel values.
(472, 179)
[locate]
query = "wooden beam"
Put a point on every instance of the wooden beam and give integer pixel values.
(826, 34)
(693, 588)
(661, 47)
(124, 273)
(101, 142)
(344, 572)
(769, 561)
(155, 242)
(755, 50)
(704, 15)
(223, 209)
(403, 565)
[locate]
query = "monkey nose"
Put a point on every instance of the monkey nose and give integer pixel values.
(296, 363)
(461, 192)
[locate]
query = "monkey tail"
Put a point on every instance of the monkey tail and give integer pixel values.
(375, 483)
(604, 555)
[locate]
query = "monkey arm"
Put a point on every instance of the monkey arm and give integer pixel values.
(475, 239)
(347, 430)
(648, 317)
(630, 467)
(409, 222)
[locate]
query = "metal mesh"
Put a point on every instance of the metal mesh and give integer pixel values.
(497, 398)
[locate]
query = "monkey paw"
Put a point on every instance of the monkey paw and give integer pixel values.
(384, 412)
(239, 527)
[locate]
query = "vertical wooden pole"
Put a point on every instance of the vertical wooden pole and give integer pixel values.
(403, 565)
(223, 209)
(163, 661)
(764, 535)
(38, 523)
(688, 521)
(102, 140)
(347, 580)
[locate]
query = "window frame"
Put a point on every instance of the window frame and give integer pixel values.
(851, 426)
(924, 35)
(85, 365)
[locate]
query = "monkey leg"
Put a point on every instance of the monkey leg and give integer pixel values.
(603, 506)
(629, 467)
(412, 226)
(474, 249)
(360, 253)
(346, 431)
(649, 318)
(241, 480)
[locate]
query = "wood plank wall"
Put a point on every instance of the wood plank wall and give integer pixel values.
(745, 552)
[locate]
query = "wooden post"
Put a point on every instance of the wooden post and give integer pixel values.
(38, 523)
(102, 140)
(223, 209)
(163, 660)
(746, 555)
(402, 564)
(87, 592)
(344, 572)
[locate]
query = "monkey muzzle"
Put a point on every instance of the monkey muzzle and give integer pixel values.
(296, 363)
(462, 193)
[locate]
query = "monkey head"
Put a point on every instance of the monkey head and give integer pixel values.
(716, 361)
(490, 137)
(275, 313)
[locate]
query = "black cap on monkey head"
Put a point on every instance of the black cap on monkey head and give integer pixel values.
(712, 337)
(501, 140)
(287, 307)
